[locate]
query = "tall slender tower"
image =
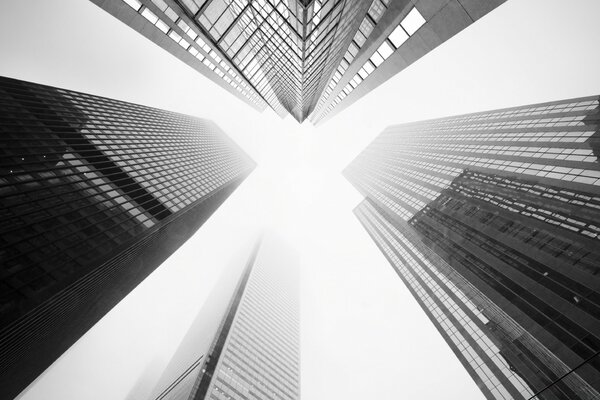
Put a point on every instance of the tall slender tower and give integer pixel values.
(299, 57)
(492, 221)
(95, 194)
(255, 351)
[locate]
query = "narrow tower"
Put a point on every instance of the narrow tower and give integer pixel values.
(255, 351)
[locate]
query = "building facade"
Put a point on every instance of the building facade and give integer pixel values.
(298, 57)
(255, 351)
(491, 220)
(95, 194)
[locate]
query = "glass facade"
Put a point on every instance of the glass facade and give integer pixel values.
(94, 194)
(500, 208)
(255, 353)
(273, 52)
(298, 57)
(392, 36)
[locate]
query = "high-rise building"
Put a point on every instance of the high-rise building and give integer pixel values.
(254, 353)
(391, 36)
(492, 220)
(302, 57)
(95, 194)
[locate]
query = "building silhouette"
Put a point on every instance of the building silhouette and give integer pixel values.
(299, 57)
(95, 194)
(491, 220)
(254, 348)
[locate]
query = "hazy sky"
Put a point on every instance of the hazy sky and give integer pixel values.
(363, 335)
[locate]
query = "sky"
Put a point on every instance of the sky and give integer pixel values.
(363, 336)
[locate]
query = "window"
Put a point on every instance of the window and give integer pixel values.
(376, 59)
(191, 6)
(135, 4)
(413, 21)
(376, 10)
(398, 36)
(385, 50)
(162, 6)
(149, 15)
(162, 26)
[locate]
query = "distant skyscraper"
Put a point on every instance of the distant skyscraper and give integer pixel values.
(255, 351)
(300, 57)
(492, 220)
(95, 194)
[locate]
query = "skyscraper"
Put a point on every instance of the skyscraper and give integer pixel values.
(391, 36)
(95, 194)
(492, 222)
(300, 57)
(255, 351)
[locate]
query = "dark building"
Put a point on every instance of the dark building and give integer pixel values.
(95, 194)
(492, 220)
(254, 353)
(301, 57)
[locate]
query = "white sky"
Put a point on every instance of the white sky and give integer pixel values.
(363, 335)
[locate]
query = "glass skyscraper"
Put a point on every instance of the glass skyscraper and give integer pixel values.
(390, 37)
(95, 194)
(492, 222)
(299, 57)
(255, 351)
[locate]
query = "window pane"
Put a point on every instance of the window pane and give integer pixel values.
(385, 50)
(398, 37)
(413, 21)
(135, 4)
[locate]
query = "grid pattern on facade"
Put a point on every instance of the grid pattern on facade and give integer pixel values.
(408, 165)
(379, 38)
(478, 236)
(453, 313)
(82, 175)
(504, 359)
(508, 199)
(178, 28)
(410, 23)
(94, 194)
(299, 57)
(260, 357)
(274, 51)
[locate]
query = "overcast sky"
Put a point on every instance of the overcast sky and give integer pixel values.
(363, 335)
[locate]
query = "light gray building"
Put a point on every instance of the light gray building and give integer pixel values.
(255, 351)
(492, 221)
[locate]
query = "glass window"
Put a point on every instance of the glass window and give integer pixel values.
(191, 6)
(149, 15)
(135, 4)
(398, 37)
(376, 59)
(162, 6)
(413, 21)
(385, 50)
(359, 38)
(162, 26)
(376, 10)
(171, 14)
(175, 36)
